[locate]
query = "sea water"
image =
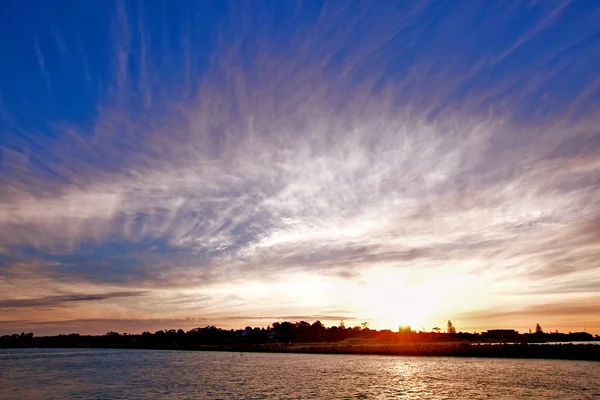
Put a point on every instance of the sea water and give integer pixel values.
(143, 374)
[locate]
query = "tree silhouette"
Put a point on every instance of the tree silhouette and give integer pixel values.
(277, 334)
(451, 328)
(365, 325)
(538, 329)
(436, 329)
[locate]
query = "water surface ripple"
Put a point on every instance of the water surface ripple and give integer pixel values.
(119, 374)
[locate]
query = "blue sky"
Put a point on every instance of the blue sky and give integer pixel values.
(175, 164)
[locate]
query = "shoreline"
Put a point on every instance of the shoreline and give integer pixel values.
(567, 351)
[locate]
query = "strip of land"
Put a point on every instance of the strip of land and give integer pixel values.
(564, 351)
(316, 339)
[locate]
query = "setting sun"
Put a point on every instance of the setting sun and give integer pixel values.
(388, 300)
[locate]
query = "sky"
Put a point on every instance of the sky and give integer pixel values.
(181, 164)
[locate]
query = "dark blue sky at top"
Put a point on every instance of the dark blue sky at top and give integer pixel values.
(77, 44)
(59, 57)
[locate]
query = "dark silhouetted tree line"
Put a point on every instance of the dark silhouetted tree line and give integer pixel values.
(279, 332)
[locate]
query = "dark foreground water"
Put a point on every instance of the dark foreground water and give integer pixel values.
(100, 374)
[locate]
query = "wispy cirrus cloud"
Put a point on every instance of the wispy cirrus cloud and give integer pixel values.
(298, 153)
(61, 301)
